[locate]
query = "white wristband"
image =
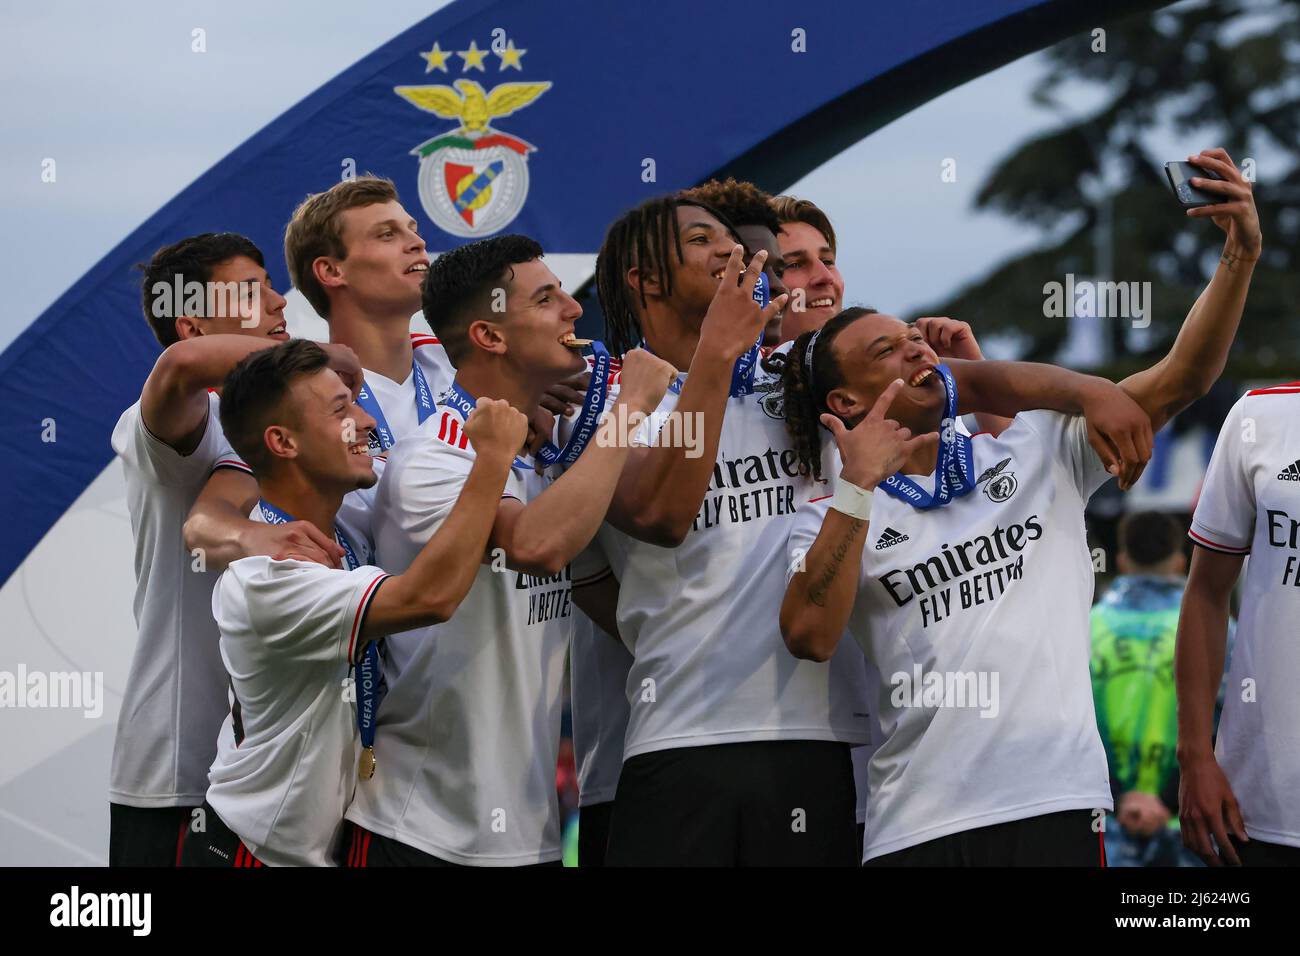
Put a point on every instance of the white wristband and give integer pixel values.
(852, 500)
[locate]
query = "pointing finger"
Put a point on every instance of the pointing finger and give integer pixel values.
(886, 399)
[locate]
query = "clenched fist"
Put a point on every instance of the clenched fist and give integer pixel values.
(496, 429)
(644, 380)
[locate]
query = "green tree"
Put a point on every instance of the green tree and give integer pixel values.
(1223, 73)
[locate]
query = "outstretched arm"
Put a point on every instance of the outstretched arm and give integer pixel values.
(1119, 429)
(1201, 349)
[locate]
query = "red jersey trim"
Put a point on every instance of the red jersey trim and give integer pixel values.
(234, 463)
(361, 612)
(1214, 545)
(1290, 388)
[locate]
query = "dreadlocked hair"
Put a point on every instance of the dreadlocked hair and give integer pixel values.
(639, 239)
(803, 397)
(741, 202)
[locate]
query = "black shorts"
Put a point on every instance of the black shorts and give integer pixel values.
(214, 844)
(1259, 853)
(762, 803)
(593, 832)
(1067, 838)
(146, 836)
(365, 848)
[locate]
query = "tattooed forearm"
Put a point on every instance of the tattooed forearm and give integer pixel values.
(817, 593)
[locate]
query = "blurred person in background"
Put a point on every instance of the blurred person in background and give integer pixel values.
(1133, 635)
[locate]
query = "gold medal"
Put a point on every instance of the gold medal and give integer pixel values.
(366, 768)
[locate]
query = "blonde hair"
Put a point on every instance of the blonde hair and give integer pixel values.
(314, 230)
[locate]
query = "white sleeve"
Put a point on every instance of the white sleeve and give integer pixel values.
(298, 609)
(418, 491)
(1066, 437)
(162, 464)
(1225, 514)
(590, 565)
(807, 524)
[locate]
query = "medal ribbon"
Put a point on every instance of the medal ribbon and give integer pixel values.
(463, 402)
(424, 406)
(367, 675)
(593, 404)
(955, 469)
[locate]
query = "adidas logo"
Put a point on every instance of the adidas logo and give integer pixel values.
(1291, 472)
(888, 538)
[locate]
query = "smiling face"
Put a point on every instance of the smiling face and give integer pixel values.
(327, 433)
(538, 315)
(242, 302)
(386, 258)
(706, 247)
(873, 351)
(810, 266)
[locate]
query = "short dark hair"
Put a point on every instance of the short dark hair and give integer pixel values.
(1150, 537)
(640, 239)
(191, 260)
(255, 389)
(742, 203)
(459, 281)
(789, 209)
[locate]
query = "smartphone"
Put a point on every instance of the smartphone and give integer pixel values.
(1179, 175)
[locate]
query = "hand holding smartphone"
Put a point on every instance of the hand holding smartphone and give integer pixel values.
(1180, 174)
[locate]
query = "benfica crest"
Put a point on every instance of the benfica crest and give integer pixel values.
(474, 179)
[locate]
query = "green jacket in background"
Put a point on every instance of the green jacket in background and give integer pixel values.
(1134, 627)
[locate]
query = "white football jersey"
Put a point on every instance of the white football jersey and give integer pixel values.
(175, 696)
(975, 618)
(287, 755)
(397, 400)
(469, 733)
(598, 669)
(702, 619)
(1250, 504)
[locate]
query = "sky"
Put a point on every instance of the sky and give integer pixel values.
(131, 116)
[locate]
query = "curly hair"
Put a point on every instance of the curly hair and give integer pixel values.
(744, 204)
(804, 389)
(639, 239)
